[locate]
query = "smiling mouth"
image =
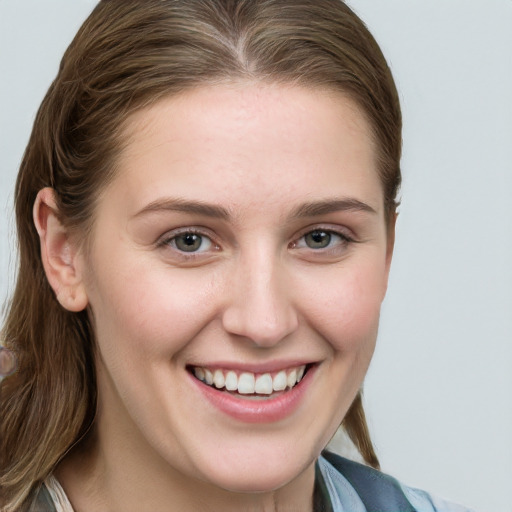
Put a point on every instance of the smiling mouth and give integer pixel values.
(248, 384)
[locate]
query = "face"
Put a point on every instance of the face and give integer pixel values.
(238, 264)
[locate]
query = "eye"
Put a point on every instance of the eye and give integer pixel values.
(318, 239)
(323, 244)
(189, 242)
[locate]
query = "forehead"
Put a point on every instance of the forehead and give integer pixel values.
(227, 142)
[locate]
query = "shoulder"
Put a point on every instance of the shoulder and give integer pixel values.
(354, 486)
(426, 502)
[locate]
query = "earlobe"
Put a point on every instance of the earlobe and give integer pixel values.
(61, 258)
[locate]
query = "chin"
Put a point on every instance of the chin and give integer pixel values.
(255, 481)
(259, 471)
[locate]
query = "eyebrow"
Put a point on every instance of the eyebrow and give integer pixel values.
(312, 209)
(324, 207)
(185, 206)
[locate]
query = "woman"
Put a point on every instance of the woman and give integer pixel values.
(206, 214)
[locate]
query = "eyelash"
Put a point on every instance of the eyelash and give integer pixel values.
(169, 240)
(344, 239)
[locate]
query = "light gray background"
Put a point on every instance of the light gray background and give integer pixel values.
(439, 391)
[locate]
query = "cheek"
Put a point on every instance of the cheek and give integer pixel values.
(346, 312)
(147, 310)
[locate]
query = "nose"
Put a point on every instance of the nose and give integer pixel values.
(259, 306)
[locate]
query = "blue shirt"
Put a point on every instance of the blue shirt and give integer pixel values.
(342, 496)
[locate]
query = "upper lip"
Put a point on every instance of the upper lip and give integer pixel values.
(263, 367)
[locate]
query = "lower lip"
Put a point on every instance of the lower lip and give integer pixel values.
(266, 410)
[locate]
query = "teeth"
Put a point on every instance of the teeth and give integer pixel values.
(280, 381)
(218, 379)
(292, 378)
(248, 383)
(263, 384)
(231, 381)
(199, 373)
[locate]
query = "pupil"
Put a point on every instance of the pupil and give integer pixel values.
(188, 242)
(318, 239)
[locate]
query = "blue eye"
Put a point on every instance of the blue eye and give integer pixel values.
(191, 242)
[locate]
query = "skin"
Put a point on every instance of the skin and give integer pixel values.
(256, 294)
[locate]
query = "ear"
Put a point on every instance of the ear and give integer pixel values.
(61, 258)
(390, 245)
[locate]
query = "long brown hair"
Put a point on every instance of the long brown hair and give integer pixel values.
(127, 55)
